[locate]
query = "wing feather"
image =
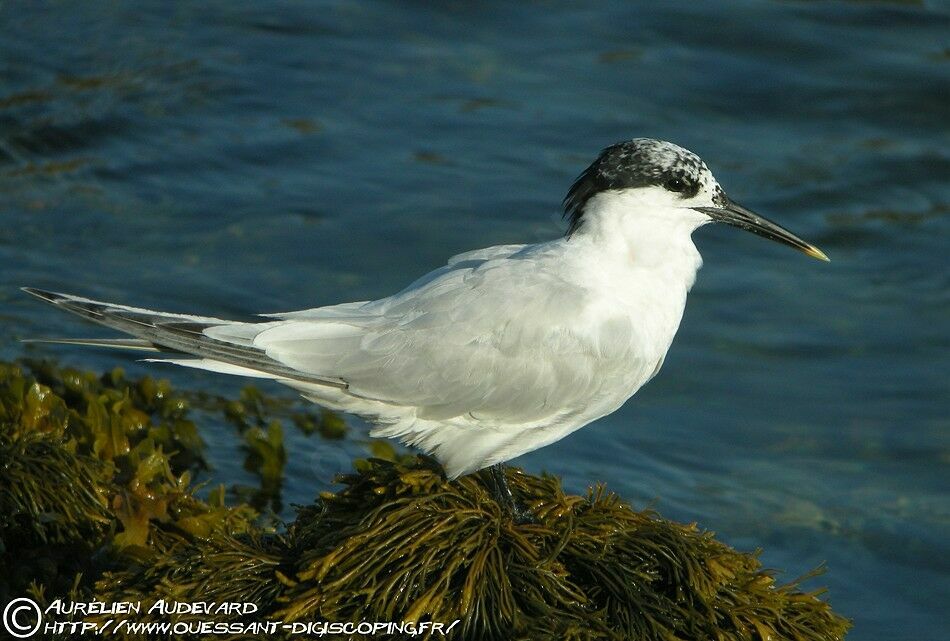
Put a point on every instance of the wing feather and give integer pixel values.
(180, 333)
(499, 339)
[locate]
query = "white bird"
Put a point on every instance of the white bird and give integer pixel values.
(503, 350)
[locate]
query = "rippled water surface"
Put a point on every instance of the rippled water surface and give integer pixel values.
(229, 158)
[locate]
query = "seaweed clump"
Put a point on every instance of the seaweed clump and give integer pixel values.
(93, 470)
(397, 543)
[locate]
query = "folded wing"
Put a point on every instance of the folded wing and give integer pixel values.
(498, 339)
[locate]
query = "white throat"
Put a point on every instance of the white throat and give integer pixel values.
(641, 229)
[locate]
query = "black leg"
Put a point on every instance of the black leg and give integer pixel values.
(506, 498)
(500, 489)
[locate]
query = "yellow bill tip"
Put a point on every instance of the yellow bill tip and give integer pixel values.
(814, 252)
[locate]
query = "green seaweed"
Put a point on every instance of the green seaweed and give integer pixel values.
(94, 468)
(96, 502)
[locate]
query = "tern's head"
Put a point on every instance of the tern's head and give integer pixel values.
(661, 179)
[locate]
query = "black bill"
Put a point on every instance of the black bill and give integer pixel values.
(738, 216)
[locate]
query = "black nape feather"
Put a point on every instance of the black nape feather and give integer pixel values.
(640, 162)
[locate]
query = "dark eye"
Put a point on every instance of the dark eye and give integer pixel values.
(675, 184)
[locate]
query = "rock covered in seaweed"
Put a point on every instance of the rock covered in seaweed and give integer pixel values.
(398, 542)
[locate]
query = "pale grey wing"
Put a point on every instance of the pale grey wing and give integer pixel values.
(342, 312)
(488, 253)
(500, 340)
(181, 333)
(363, 312)
(219, 344)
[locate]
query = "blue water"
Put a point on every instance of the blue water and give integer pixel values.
(231, 157)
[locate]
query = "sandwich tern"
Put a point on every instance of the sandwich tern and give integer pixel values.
(503, 350)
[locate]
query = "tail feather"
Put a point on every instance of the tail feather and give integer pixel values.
(178, 333)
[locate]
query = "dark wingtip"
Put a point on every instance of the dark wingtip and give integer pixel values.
(48, 296)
